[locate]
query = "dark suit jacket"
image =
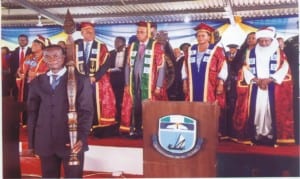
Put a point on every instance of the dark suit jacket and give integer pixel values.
(48, 131)
(14, 59)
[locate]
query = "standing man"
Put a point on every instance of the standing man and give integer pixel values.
(233, 49)
(92, 61)
(17, 58)
(118, 57)
(230, 86)
(185, 49)
(175, 92)
(144, 75)
(206, 70)
(48, 133)
(271, 89)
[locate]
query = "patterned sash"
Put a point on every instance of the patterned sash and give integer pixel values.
(273, 66)
(146, 81)
(93, 64)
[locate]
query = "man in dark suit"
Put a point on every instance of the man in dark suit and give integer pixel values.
(117, 79)
(16, 57)
(48, 133)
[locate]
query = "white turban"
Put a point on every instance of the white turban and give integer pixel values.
(268, 32)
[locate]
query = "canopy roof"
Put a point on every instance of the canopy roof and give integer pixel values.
(27, 12)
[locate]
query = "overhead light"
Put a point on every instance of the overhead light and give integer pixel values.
(39, 24)
(187, 19)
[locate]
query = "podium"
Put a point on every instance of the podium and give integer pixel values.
(203, 162)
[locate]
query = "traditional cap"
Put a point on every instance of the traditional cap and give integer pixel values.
(184, 44)
(44, 41)
(267, 32)
(86, 24)
(232, 46)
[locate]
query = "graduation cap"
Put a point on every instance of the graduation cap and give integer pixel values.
(232, 46)
(204, 27)
(86, 24)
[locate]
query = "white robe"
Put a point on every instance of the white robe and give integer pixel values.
(262, 118)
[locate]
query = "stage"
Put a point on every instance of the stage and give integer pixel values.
(119, 156)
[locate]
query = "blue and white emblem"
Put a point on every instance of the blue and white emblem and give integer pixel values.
(177, 136)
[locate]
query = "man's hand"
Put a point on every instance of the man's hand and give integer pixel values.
(20, 74)
(126, 89)
(28, 153)
(92, 80)
(77, 146)
(265, 82)
(157, 91)
(220, 87)
(185, 87)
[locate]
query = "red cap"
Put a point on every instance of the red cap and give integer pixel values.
(145, 24)
(86, 24)
(204, 27)
(142, 24)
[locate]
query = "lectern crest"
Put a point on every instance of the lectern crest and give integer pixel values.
(177, 136)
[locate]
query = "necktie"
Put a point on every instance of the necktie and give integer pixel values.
(22, 55)
(55, 81)
(141, 51)
(86, 52)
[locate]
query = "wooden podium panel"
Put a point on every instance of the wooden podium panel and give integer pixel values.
(203, 163)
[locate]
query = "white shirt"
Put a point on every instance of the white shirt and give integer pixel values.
(20, 51)
(59, 74)
(90, 46)
(120, 59)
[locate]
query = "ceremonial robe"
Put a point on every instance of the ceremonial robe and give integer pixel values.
(150, 78)
(270, 112)
(97, 66)
(203, 79)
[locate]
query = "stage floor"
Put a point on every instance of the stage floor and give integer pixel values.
(234, 159)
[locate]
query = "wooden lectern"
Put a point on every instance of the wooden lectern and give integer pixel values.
(201, 164)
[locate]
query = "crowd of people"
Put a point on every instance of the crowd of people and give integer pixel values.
(252, 84)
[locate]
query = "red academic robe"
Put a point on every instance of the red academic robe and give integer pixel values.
(105, 99)
(157, 61)
(30, 64)
(210, 70)
(283, 93)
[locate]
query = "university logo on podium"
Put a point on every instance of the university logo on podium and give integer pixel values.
(177, 137)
